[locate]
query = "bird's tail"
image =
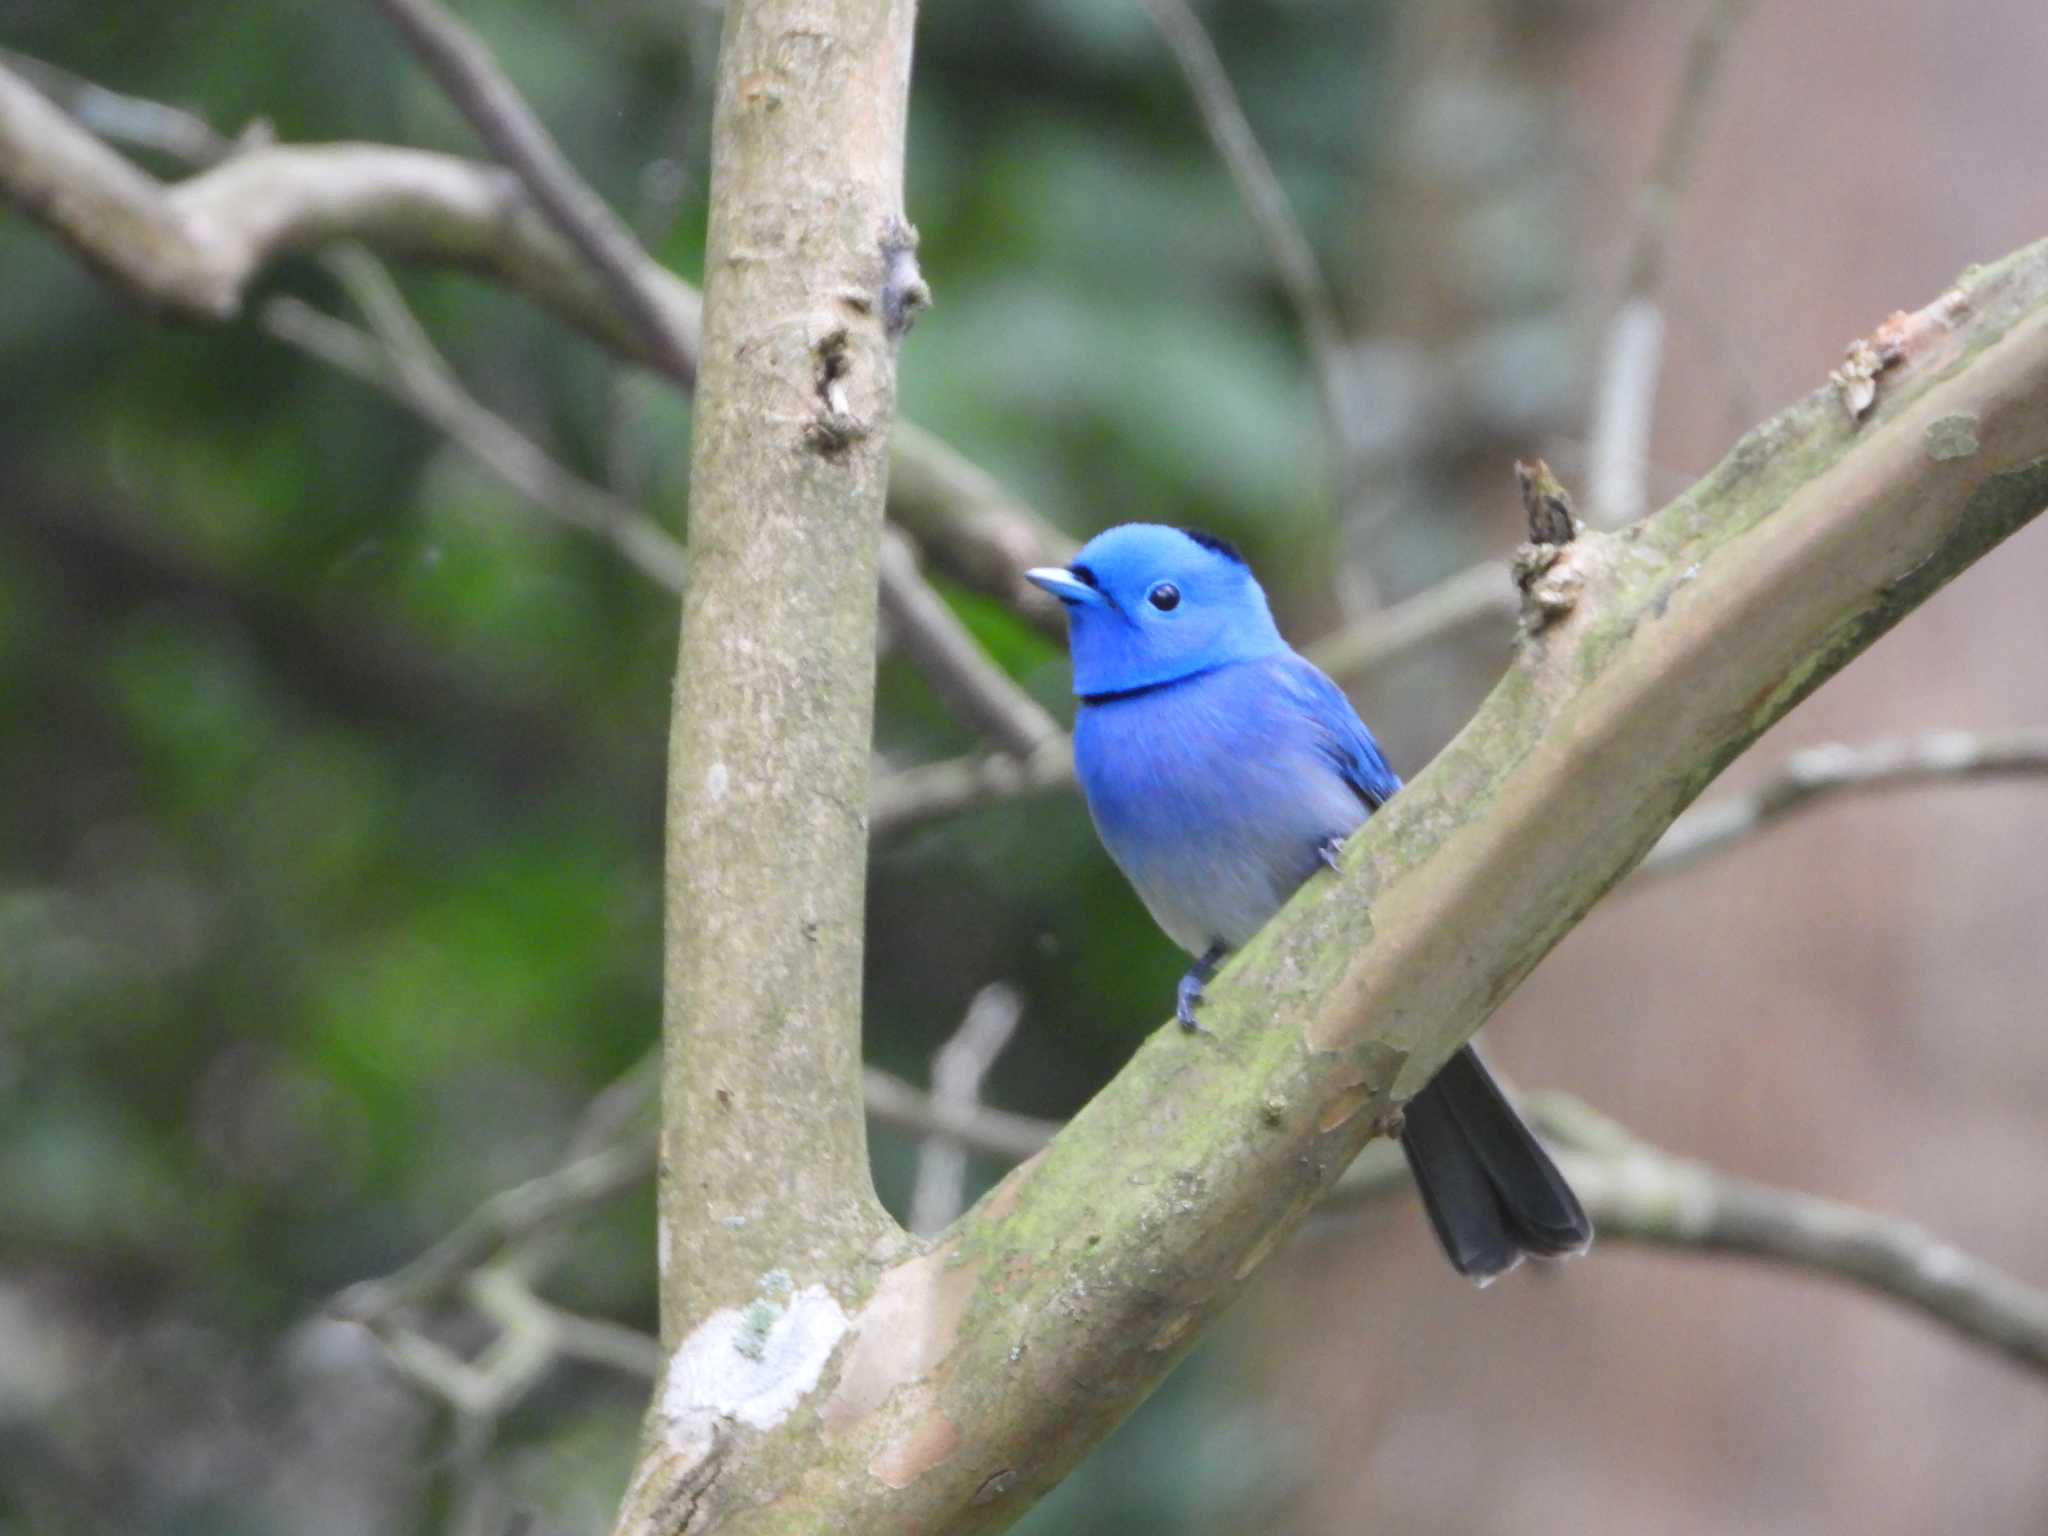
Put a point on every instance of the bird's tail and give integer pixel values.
(1491, 1191)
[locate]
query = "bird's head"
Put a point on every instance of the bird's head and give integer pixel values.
(1147, 605)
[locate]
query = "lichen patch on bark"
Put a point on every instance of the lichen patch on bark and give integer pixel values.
(753, 1365)
(1951, 437)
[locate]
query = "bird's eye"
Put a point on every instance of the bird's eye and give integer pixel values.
(1165, 597)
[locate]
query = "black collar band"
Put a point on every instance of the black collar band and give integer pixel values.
(1115, 694)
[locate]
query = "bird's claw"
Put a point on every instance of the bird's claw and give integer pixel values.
(1190, 992)
(1328, 852)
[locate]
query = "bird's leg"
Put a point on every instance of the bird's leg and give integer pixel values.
(1329, 850)
(1190, 992)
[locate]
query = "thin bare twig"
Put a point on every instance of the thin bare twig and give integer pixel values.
(1482, 594)
(1624, 410)
(532, 1336)
(978, 691)
(502, 1295)
(508, 1216)
(194, 249)
(495, 1258)
(971, 527)
(996, 1133)
(1618, 452)
(1287, 244)
(610, 1116)
(515, 1217)
(911, 797)
(132, 121)
(611, 1151)
(1821, 772)
(958, 1067)
(457, 58)
(400, 360)
(1636, 1192)
(1639, 1194)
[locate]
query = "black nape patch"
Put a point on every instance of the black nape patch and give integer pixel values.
(1222, 546)
(1084, 575)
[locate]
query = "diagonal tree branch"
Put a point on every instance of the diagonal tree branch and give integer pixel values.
(1652, 1199)
(401, 361)
(979, 692)
(472, 79)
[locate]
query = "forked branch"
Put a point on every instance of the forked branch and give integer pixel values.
(960, 1379)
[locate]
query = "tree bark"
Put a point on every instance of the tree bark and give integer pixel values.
(767, 1213)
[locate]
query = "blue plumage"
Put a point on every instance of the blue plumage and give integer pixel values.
(1221, 770)
(1216, 794)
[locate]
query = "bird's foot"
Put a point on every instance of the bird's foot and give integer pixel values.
(1190, 992)
(1328, 851)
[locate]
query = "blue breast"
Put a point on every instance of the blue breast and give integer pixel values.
(1213, 793)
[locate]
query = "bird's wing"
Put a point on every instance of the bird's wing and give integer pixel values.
(1340, 734)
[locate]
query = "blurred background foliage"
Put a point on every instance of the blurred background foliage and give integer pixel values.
(330, 772)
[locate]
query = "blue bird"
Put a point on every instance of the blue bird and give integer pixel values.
(1222, 770)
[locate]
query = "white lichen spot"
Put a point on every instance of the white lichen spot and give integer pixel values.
(716, 781)
(753, 1365)
(1951, 437)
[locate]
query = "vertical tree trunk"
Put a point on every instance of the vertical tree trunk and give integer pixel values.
(809, 282)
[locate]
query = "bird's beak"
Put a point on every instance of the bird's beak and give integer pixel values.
(1062, 584)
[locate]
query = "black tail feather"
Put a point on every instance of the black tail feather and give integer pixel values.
(1491, 1191)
